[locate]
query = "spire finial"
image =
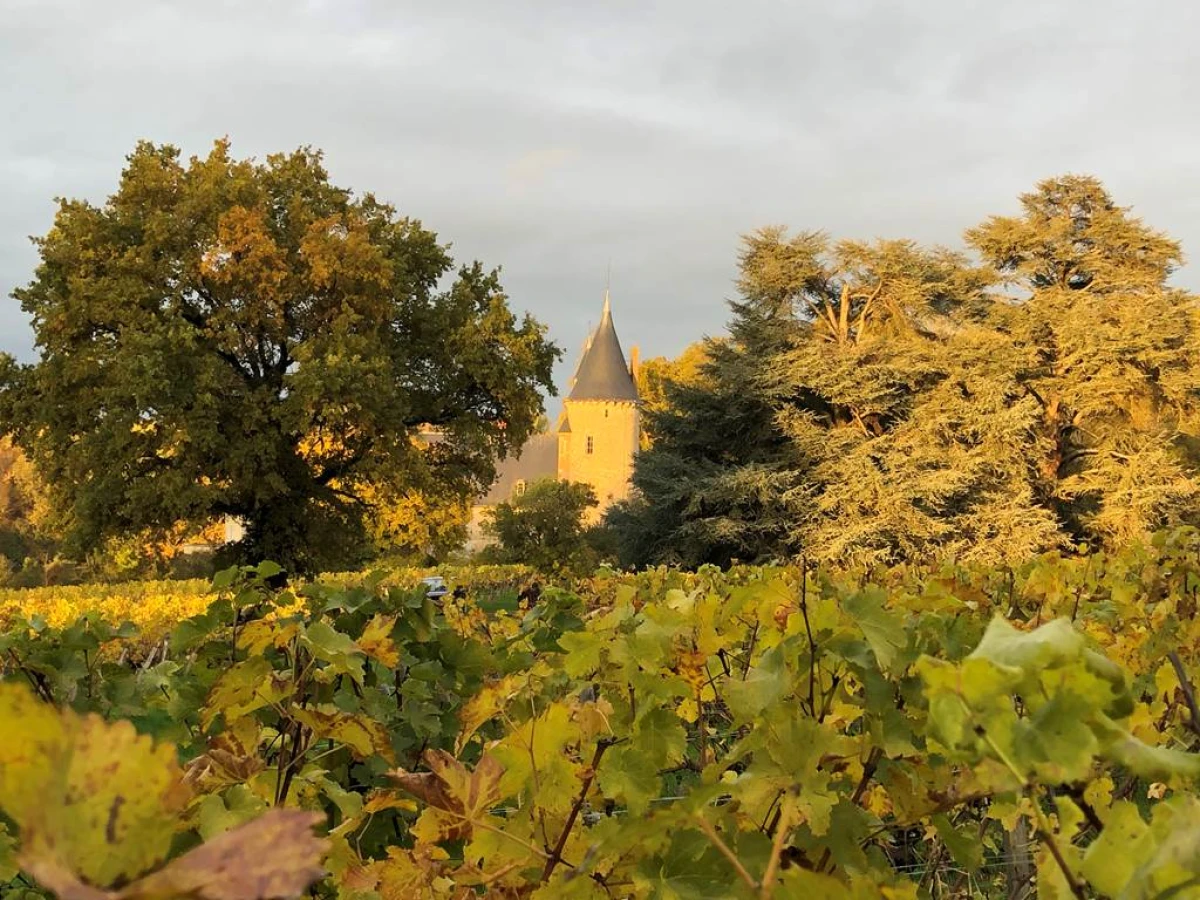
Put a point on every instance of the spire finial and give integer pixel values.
(607, 284)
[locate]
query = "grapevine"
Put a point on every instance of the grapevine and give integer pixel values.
(765, 732)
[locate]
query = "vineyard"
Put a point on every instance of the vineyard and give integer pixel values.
(786, 732)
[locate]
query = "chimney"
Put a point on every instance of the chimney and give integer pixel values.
(635, 361)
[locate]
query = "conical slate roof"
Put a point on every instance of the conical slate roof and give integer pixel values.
(602, 373)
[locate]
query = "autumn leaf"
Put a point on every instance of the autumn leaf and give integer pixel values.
(31, 734)
(246, 687)
(456, 799)
(108, 804)
(256, 636)
(410, 874)
(231, 758)
(485, 705)
(364, 736)
(376, 640)
(275, 856)
(54, 875)
(379, 800)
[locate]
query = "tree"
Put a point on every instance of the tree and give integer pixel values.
(719, 480)
(544, 527)
(1109, 356)
(881, 402)
(655, 373)
(903, 394)
(416, 522)
(238, 338)
(27, 526)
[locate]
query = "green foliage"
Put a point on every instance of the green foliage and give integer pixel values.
(226, 337)
(761, 732)
(544, 527)
(884, 402)
(719, 482)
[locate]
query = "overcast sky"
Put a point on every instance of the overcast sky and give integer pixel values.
(551, 137)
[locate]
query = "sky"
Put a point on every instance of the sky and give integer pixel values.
(558, 138)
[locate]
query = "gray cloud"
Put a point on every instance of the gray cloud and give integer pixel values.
(551, 137)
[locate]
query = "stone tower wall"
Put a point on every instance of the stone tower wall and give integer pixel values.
(606, 461)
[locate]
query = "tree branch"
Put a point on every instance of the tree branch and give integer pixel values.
(1189, 692)
(715, 838)
(783, 831)
(556, 854)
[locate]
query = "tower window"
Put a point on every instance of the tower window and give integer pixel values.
(591, 444)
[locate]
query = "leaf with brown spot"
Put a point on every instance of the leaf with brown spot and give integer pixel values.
(456, 799)
(231, 758)
(110, 803)
(364, 736)
(376, 640)
(275, 856)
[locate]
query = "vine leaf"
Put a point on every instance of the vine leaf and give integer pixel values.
(486, 704)
(339, 650)
(231, 758)
(364, 736)
(376, 640)
(455, 798)
(248, 686)
(276, 855)
(883, 630)
(98, 799)
(31, 732)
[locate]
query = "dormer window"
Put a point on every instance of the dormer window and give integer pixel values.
(518, 488)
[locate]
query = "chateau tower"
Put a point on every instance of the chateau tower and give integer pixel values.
(599, 431)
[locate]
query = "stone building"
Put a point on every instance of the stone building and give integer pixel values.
(594, 439)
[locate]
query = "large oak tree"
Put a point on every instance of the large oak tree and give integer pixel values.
(245, 338)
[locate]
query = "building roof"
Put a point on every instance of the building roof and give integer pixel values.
(602, 373)
(537, 459)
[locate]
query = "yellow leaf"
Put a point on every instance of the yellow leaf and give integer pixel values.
(688, 710)
(376, 640)
(1098, 794)
(109, 803)
(379, 800)
(593, 718)
(410, 874)
(31, 737)
(248, 686)
(485, 705)
(259, 634)
(364, 736)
